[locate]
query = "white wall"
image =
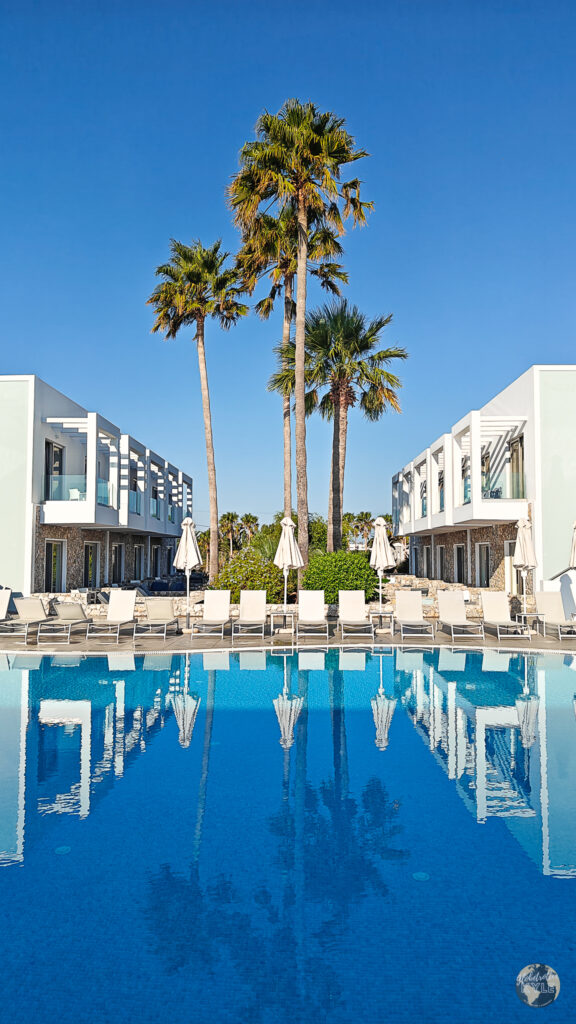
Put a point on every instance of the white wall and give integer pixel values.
(15, 544)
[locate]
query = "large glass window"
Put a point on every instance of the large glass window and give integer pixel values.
(53, 577)
(91, 565)
(441, 562)
(459, 564)
(483, 567)
(517, 486)
(117, 563)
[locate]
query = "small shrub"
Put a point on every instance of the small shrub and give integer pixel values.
(249, 570)
(341, 570)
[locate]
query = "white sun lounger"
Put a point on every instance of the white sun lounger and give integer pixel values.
(452, 616)
(409, 615)
(159, 617)
(215, 613)
(496, 610)
(353, 614)
(120, 613)
(312, 619)
(550, 608)
(30, 614)
(5, 595)
(252, 616)
(70, 615)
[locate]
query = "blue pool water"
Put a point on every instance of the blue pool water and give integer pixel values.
(230, 878)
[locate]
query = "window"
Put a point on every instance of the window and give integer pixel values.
(415, 561)
(138, 561)
(53, 468)
(54, 567)
(441, 490)
(427, 562)
(423, 502)
(482, 565)
(91, 565)
(517, 487)
(485, 464)
(459, 564)
(512, 576)
(117, 563)
(169, 561)
(441, 562)
(465, 480)
(156, 549)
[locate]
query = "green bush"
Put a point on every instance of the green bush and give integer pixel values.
(341, 570)
(249, 570)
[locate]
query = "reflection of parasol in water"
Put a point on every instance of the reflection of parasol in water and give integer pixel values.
(185, 709)
(527, 709)
(383, 708)
(287, 710)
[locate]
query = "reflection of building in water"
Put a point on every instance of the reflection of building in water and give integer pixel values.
(503, 765)
(65, 736)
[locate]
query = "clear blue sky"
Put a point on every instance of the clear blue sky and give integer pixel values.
(120, 126)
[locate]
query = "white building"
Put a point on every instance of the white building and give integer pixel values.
(83, 504)
(515, 458)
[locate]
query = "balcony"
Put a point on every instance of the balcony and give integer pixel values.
(503, 488)
(135, 502)
(105, 493)
(65, 488)
(155, 508)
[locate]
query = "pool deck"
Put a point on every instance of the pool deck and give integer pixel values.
(183, 643)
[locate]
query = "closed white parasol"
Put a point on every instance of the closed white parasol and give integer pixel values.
(288, 554)
(187, 558)
(382, 557)
(524, 555)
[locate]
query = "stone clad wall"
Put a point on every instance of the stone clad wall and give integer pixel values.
(494, 535)
(76, 538)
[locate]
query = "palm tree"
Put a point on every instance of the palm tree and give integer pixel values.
(229, 523)
(297, 159)
(203, 539)
(197, 285)
(248, 526)
(270, 248)
(343, 367)
(364, 526)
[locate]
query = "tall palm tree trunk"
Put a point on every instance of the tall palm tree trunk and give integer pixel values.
(342, 440)
(212, 490)
(286, 403)
(330, 520)
(300, 384)
(334, 541)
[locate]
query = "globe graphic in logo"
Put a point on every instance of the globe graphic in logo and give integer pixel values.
(537, 985)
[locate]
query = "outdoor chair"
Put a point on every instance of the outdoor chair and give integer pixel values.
(30, 614)
(496, 612)
(452, 616)
(215, 613)
(353, 614)
(252, 616)
(5, 595)
(312, 619)
(551, 614)
(120, 614)
(69, 616)
(159, 617)
(410, 617)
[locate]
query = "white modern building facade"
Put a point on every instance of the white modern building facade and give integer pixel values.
(459, 499)
(84, 505)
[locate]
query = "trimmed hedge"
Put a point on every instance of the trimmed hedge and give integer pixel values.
(249, 570)
(340, 570)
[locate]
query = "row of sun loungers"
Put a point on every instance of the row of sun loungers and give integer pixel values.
(308, 620)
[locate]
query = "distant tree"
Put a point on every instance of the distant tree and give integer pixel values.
(248, 526)
(229, 523)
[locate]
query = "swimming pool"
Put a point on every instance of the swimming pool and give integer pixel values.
(406, 849)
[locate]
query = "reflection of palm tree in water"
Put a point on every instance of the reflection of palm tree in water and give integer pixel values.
(327, 854)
